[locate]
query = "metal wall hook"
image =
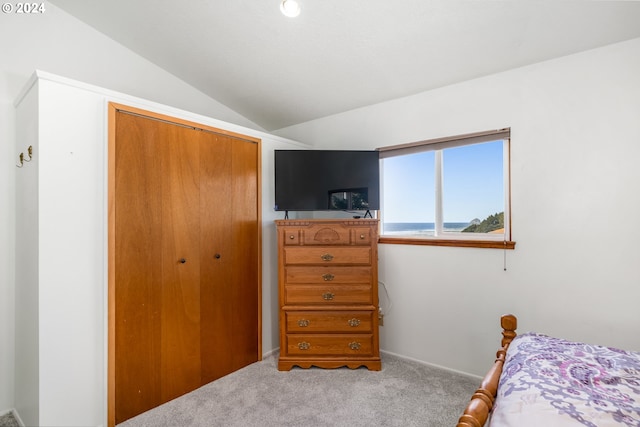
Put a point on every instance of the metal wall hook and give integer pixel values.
(22, 159)
(29, 153)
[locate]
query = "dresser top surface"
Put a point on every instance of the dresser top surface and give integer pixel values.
(350, 221)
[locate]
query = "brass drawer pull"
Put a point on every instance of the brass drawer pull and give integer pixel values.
(362, 237)
(326, 257)
(304, 345)
(303, 323)
(354, 322)
(291, 236)
(328, 277)
(328, 296)
(354, 345)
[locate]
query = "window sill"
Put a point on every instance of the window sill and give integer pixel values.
(490, 244)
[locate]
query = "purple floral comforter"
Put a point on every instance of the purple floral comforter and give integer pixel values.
(550, 382)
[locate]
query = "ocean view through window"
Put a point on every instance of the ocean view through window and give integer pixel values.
(421, 228)
(447, 189)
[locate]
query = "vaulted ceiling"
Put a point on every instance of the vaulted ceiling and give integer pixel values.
(343, 54)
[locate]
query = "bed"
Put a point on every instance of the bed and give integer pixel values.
(538, 380)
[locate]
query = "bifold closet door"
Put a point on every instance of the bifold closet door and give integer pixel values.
(187, 260)
(180, 320)
(230, 254)
(157, 259)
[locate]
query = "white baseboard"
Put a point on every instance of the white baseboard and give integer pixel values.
(15, 415)
(422, 362)
(18, 419)
(399, 356)
(270, 353)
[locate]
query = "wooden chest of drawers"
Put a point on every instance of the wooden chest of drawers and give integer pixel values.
(328, 293)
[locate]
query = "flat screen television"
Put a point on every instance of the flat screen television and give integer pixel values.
(327, 180)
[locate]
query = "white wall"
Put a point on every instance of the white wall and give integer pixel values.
(8, 158)
(575, 125)
(61, 260)
(26, 367)
(58, 43)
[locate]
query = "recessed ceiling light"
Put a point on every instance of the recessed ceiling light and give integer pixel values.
(290, 8)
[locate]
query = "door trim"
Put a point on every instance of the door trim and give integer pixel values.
(113, 109)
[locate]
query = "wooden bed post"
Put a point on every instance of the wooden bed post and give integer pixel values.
(509, 325)
(478, 409)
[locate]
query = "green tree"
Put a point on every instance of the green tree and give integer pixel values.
(490, 223)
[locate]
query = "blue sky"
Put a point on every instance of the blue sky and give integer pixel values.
(473, 184)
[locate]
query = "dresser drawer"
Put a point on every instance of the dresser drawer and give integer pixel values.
(327, 294)
(327, 234)
(330, 345)
(329, 321)
(329, 274)
(327, 255)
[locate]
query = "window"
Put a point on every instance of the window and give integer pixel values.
(449, 191)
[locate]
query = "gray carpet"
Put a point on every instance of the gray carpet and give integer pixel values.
(403, 394)
(8, 420)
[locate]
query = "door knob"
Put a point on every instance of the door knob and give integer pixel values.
(182, 260)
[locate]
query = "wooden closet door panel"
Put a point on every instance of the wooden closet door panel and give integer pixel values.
(180, 324)
(138, 268)
(189, 194)
(245, 250)
(216, 199)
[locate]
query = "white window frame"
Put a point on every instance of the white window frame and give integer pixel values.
(440, 238)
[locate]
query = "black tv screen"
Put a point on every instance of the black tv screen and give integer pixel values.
(320, 180)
